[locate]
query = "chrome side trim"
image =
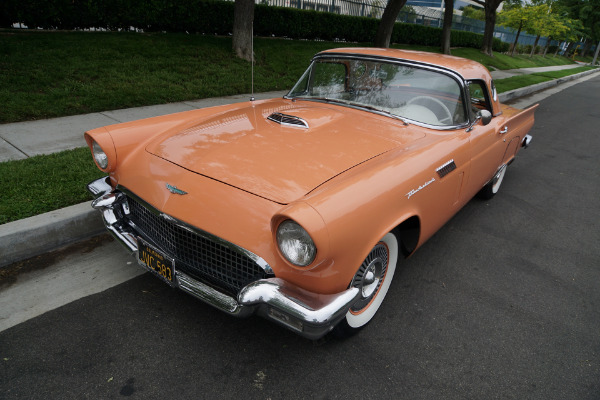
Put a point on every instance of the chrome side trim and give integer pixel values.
(526, 141)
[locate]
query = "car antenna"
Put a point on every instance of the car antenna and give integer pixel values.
(252, 59)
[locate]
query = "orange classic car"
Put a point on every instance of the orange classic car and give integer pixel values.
(299, 208)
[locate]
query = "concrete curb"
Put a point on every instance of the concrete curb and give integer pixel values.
(36, 235)
(39, 234)
(513, 94)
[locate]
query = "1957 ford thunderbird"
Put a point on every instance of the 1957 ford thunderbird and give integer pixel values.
(299, 208)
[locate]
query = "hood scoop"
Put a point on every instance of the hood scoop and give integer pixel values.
(288, 120)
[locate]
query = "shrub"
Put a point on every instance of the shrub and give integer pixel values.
(216, 17)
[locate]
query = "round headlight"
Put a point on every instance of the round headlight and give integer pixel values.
(100, 156)
(295, 243)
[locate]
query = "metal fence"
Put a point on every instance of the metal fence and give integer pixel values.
(367, 8)
(415, 15)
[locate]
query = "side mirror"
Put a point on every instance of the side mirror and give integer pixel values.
(485, 116)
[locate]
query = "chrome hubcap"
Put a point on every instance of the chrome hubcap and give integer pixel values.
(370, 276)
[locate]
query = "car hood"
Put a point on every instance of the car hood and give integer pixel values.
(245, 149)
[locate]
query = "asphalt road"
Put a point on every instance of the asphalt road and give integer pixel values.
(502, 303)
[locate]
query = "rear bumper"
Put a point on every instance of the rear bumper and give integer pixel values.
(309, 314)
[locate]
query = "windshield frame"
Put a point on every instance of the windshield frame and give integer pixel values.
(402, 62)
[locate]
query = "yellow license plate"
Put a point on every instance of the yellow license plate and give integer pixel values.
(156, 261)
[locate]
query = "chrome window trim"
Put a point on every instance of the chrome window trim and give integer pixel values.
(487, 96)
(415, 64)
(234, 247)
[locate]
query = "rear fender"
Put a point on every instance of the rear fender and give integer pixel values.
(515, 128)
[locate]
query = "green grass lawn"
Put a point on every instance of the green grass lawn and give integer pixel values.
(515, 82)
(45, 183)
(504, 61)
(52, 74)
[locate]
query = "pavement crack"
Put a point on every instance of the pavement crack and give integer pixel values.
(108, 116)
(15, 147)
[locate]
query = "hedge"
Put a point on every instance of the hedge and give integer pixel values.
(216, 17)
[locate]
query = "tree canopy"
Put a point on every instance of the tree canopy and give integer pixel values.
(473, 13)
(586, 11)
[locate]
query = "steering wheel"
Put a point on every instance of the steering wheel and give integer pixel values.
(423, 100)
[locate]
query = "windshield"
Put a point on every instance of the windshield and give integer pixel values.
(417, 94)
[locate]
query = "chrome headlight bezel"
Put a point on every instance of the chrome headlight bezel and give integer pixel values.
(99, 155)
(295, 244)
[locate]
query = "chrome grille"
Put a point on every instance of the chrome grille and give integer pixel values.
(214, 263)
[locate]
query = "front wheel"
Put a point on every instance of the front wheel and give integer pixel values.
(373, 279)
(493, 186)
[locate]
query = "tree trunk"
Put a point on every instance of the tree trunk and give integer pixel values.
(243, 19)
(490, 23)
(447, 30)
(548, 40)
(514, 46)
(596, 54)
(386, 25)
(586, 48)
(558, 48)
(569, 48)
(537, 39)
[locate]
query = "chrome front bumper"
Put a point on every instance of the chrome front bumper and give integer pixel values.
(309, 314)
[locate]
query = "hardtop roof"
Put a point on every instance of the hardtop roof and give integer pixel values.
(468, 69)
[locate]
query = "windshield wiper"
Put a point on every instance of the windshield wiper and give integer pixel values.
(379, 110)
(357, 105)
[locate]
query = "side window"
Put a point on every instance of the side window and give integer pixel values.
(480, 99)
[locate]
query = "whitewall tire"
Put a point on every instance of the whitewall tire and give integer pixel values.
(493, 186)
(373, 278)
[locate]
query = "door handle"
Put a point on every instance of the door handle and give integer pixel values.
(503, 131)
